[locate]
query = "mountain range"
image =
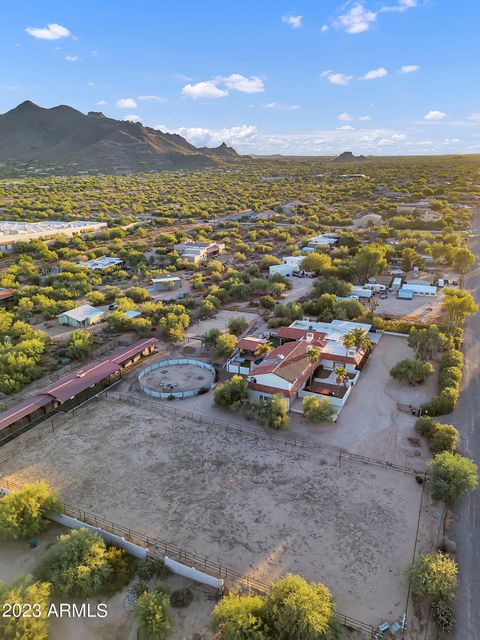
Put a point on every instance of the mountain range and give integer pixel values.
(68, 140)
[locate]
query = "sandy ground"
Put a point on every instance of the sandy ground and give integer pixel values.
(182, 377)
(423, 309)
(220, 321)
(256, 506)
(300, 287)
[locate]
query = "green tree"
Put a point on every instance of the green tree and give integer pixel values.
(81, 564)
(434, 576)
(225, 345)
(427, 341)
(232, 393)
(23, 512)
(318, 409)
(237, 325)
(458, 305)
(209, 338)
(316, 262)
(370, 260)
(298, 610)
(463, 260)
(273, 412)
(80, 344)
(153, 615)
(239, 617)
(412, 371)
(25, 592)
(339, 287)
(452, 476)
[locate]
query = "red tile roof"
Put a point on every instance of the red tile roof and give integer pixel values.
(289, 361)
(251, 343)
(293, 333)
(134, 349)
(5, 294)
(23, 409)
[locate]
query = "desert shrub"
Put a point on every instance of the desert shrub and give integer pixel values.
(452, 476)
(140, 587)
(444, 615)
(239, 617)
(181, 598)
(449, 379)
(434, 576)
(412, 371)
(81, 564)
(425, 426)
(153, 615)
(318, 409)
(146, 569)
(273, 412)
(231, 393)
(23, 512)
(443, 438)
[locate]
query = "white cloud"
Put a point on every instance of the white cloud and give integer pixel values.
(158, 99)
(9, 87)
(201, 136)
(206, 89)
(345, 117)
(364, 118)
(400, 7)
(278, 105)
(243, 84)
(53, 31)
(357, 19)
(374, 74)
(126, 103)
(435, 115)
(345, 127)
(399, 137)
(475, 117)
(409, 68)
(91, 84)
(70, 58)
(101, 103)
(132, 118)
(338, 79)
(325, 28)
(294, 21)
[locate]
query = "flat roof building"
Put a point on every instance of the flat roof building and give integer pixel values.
(104, 262)
(197, 251)
(82, 316)
(13, 231)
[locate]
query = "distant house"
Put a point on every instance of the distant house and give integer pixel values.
(197, 251)
(368, 219)
(166, 283)
(265, 179)
(419, 289)
(83, 316)
(6, 298)
(430, 216)
(324, 240)
(288, 266)
(132, 314)
(104, 262)
(410, 207)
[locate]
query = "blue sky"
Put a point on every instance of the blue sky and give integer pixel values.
(274, 76)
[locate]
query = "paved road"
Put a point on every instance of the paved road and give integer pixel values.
(467, 418)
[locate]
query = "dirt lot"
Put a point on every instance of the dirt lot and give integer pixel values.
(180, 377)
(422, 309)
(249, 504)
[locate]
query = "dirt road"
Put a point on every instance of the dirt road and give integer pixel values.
(466, 418)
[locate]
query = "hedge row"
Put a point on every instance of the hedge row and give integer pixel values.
(449, 379)
(440, 437)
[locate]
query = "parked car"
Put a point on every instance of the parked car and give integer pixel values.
(112, 306)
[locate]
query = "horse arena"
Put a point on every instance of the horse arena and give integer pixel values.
(256, 505)
(179, 378)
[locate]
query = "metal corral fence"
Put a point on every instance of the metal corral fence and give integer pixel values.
(171, 392)
(158, 548)
(258, 433)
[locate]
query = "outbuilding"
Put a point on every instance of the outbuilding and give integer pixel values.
(82, 316)
(166, 283)
(420, 289)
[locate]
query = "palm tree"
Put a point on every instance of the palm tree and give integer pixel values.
(263, 349)
(313, 354)
(361, 339)
(342, 375)
(348, 342)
